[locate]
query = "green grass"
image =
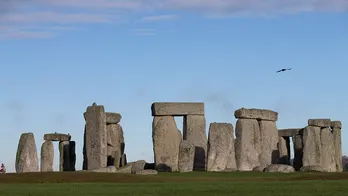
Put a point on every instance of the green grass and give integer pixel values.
(170, 184)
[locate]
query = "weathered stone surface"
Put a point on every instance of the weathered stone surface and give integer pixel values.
(336, 124)
(109, 169)
(72, 155)
(96, 137)
(247, 144)
(124, 160)
(328, 150)
(27, 157)
(259, 168)
(259, 114)
(57, 137)
(279, 168)
(138, 166)
(47, 154)
(195, 131)
(298, 151)
(166, 143)
(221, 147)
(284, 150)
(312, 151)
(147, 172)
(269, 143)
(64, 152)
(115, 137)
(177, 108)
(319, 122)
(112, 118)
(337, 140)
(114, 159)
(288, 132)
(186, 156)
(127, 169)
(312, 168)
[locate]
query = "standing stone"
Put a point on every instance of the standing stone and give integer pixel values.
(165, 143)
(338, 148)
(47, 154)
(312, 151)
(96, 137)
(221, 156)
(27, 157)
(328, 150)
(248, 145)
(284, 150)
(195, 132)
(124, 160)
(186, 156)
(115, 142)
(269, 143)
(72, 155)
(298, 151)
(64, 149)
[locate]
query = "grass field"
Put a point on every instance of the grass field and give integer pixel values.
(170, 184)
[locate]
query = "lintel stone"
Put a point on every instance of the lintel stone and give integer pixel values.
(336, 124)
(259, 114)
(57, 137)
(288, 132)
(319, 122)
(177, 108)
(112, 118)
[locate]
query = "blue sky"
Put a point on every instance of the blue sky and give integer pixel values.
(58, 57)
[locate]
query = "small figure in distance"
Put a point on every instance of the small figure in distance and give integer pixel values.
(3, 169)
(283, 70)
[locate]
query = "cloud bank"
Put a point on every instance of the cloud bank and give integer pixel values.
(17, 14)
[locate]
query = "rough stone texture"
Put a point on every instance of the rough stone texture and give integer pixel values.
(96, 137)
(247, 144)
(123, 160)
(258, 169)
(47, 154)
(288, 132)
(284, 150)
(127, 169)
(258, 114)
(298, 151)
(195, 131)
(114, 159)
(186, 156)
(109, 169)
(328, 150)
(112, 118)
(269, 143)
(336, 132)
(336, 124)
(166, 143)
(312, 168)
(319, 122)
(312, 151)
(72, 155)
(177, 108)
(64, 152)
(279, 168)
(147, 172)
(115, 138)
(138, 166)
(27, 157)
(221, 147)
(57, 137)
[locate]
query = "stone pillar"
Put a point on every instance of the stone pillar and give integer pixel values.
(284, 150)
(221, 154)
(298, 150)
(72, 155)
(194, 130)
(115, 142)
(95, 137)
(337, 140)
(64, 152)
(27, 157)
(47, 154)
(186, 156)
(328, 150)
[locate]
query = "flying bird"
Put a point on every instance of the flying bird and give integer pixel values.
(283, 70)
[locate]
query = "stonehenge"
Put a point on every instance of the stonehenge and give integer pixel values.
(254, 144)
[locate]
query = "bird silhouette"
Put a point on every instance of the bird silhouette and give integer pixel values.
(283, 70)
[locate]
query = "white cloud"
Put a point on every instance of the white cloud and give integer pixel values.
(158, 18)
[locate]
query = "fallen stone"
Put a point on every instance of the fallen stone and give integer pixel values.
(177, 109)
(57, 137)
(112, 118)
(298, 151)
(221, 154)
(288, 132)
(125, 169)
(337, 140)
(328, 150)
(186, 156)
(284, 150)
(319, 122)
(110, 169)
(336, 124)
(147, 172)
(194, 130)
(269, 143)
(312, 150)
(27, 157)
(258, 114)
(138, 166)
(312, 168)
(47, 154)
(166, 143)
(96, 137)
(279, 168)
(247, 144)
(259, 169)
